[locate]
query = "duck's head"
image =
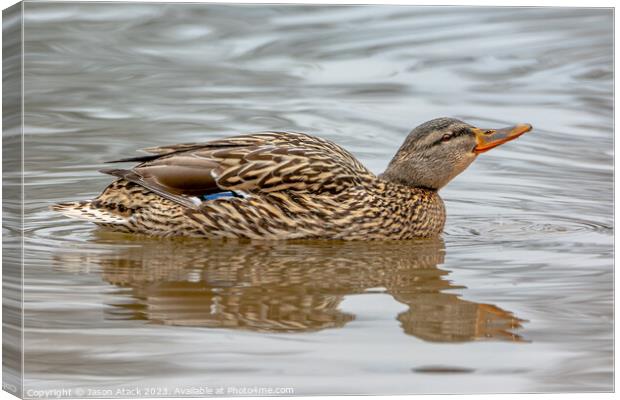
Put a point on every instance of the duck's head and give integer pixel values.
(440, 149)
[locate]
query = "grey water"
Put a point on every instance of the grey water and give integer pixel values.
(516, 296)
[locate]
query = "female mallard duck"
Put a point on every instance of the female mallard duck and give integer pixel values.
(287, 185)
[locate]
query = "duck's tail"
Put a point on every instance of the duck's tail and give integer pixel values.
(85, 210)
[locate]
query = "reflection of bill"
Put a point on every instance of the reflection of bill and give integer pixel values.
(292, 286)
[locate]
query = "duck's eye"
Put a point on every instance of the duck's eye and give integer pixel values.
(446, 137)
(490, 131)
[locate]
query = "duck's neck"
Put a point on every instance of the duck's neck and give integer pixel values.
(404, 172)
(403, 182)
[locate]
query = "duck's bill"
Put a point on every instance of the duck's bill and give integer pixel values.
(487, 139)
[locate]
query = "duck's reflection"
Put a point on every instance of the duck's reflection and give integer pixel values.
(294, 287)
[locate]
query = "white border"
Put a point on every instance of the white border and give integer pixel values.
(489, 3)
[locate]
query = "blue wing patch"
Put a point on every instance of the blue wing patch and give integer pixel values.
(219, 195)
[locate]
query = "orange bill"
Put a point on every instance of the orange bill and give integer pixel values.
(487, 139)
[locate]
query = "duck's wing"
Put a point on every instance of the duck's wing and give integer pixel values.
(258, 163)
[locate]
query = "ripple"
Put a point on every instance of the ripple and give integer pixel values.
(522, 226)
(443, 370)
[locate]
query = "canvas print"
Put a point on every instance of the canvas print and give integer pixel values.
(221, 200)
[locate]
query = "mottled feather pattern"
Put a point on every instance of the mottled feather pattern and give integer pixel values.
(274, 169)
(293, 186)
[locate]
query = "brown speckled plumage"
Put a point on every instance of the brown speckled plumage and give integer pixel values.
(282, 185)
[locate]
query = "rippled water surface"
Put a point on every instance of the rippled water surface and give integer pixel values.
(516, 295)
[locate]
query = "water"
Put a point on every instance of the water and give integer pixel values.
(516, 295)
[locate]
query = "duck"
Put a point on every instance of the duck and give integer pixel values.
(289, 185)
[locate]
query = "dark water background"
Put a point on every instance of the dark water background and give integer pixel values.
(516, 296)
